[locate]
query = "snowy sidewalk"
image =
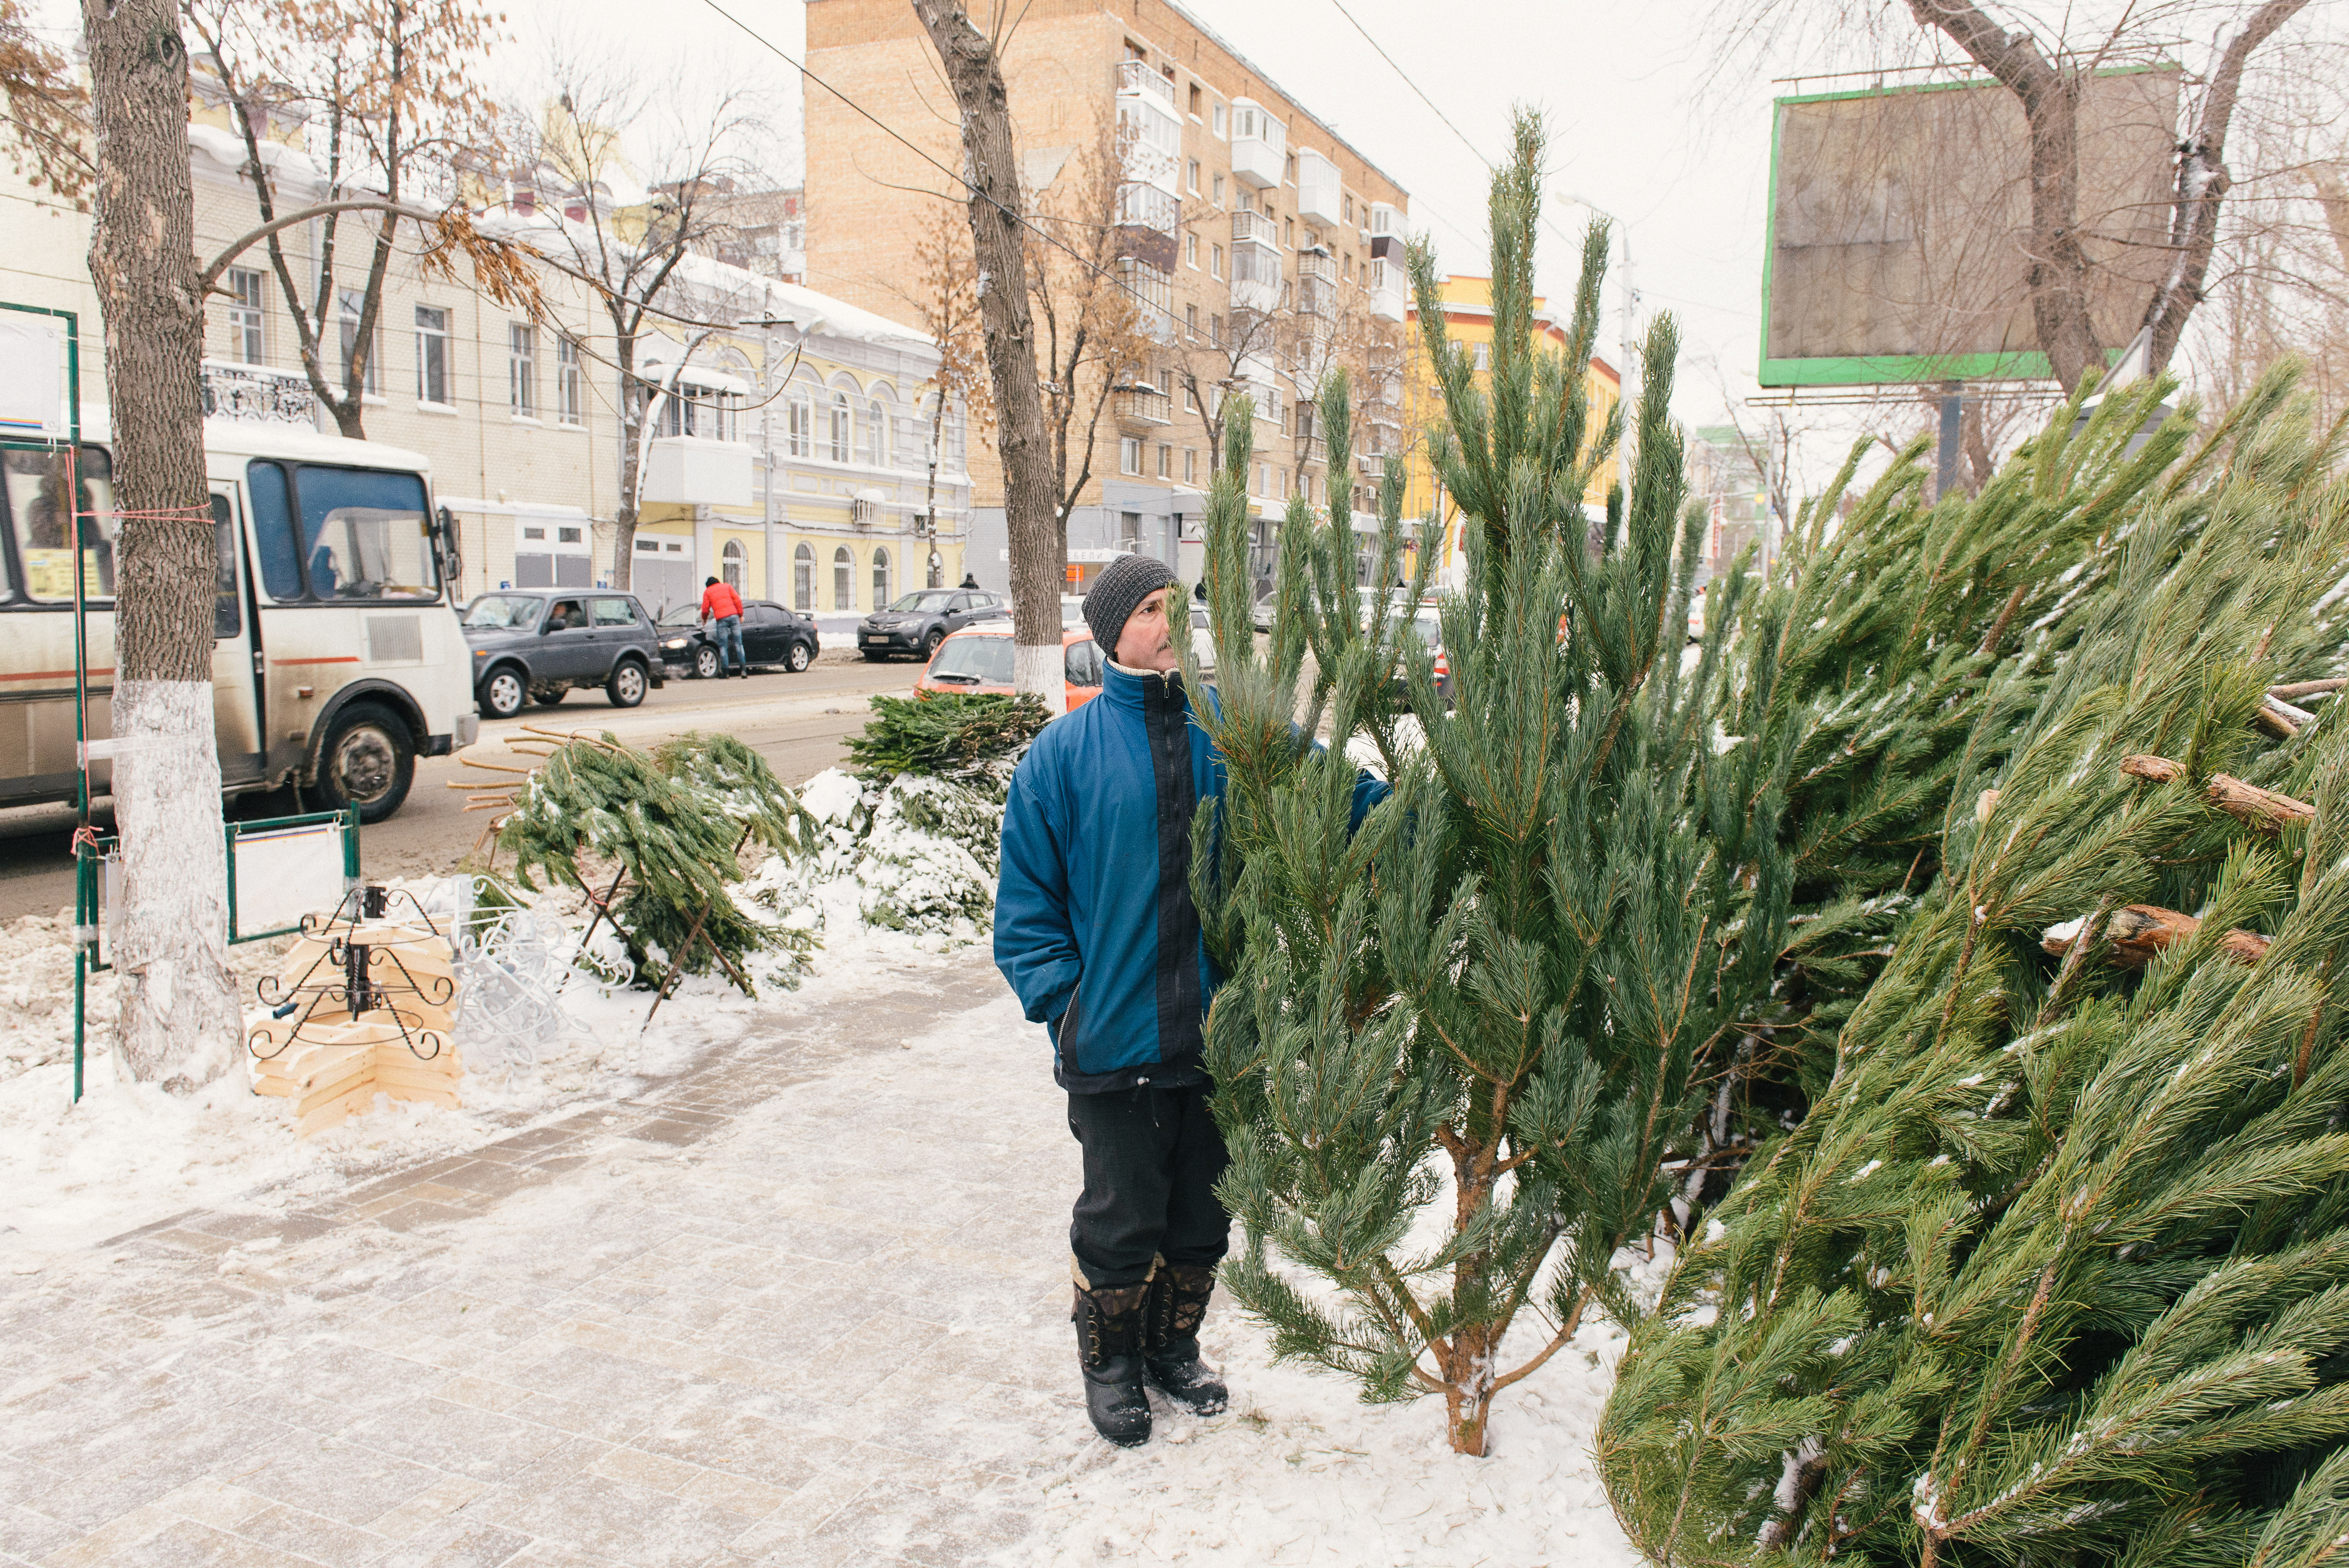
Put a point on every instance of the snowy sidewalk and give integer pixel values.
(803, 1303)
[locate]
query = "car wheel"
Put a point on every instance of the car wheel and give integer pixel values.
(930, 644)
(627, 684)
(368, 761)
(799, 659)
(503, 694)
(548, 696)
(705, 662)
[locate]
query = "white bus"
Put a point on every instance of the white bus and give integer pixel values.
(337, 656)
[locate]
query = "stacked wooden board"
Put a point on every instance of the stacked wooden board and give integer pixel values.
(331, 1063)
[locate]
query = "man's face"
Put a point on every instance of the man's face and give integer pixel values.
(1146, 644)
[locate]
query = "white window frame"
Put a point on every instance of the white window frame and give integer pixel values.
(248, 337)
(432, 340)
(570, 399)
(522, 369)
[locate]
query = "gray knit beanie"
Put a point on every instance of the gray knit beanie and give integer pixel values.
(1124, 583)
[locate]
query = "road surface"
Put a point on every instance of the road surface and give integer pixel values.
(796, 721)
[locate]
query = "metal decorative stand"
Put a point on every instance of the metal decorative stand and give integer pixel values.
(360, 973)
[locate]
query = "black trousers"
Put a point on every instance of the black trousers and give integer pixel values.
(1152, 1159)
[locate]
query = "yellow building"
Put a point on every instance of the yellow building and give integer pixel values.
(1468, 319)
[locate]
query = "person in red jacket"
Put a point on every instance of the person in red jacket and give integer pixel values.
(721, 604)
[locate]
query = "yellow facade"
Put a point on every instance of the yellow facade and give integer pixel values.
(1468, 319)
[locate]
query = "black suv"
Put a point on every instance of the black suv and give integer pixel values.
(536, 644)
(919, 621)
(771, 635)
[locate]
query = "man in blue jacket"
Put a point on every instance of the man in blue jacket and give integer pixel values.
(1095, 930)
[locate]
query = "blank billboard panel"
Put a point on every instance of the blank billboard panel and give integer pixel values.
(1900, 223)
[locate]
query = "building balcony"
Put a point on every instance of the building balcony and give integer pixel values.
(1313, 449)
(1320, 197)
(1255, 228)
(1141, 410)
(1152, 292)
(1317, 285)
(1389, 298)
(1260, 145)
(1136, 80)
(693, 470)
(1256, 276)
(255, 392)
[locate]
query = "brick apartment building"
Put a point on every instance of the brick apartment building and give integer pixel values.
(1235, 206)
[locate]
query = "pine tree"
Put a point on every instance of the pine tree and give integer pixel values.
(1495, 996)
(2052, 1270)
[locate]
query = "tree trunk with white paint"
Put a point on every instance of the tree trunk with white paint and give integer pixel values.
(997, 237)
(179, 1023)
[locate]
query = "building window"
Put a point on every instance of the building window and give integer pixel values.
(803, 579)
(1263, 479)
(1214, 329)
(349, 305)
(1198, 97)
(1219, 179)
(1129, 531)
(1190, 395)
(1165, 462)
(431, 355)
(844, 579)
(876, 434)
(1191, 319)
(244, 343)
(1191, 249)
(838, 428)
(1190, 465)
(1289, 170)
(1484, 358)
(730, 564)
(1348, 213)
(570, 402)
(800, 422)
(1220, 130)
(1216, 260)
(1129, 455)
(880, 578)
(1288, 232)
(1190, 172)
(522, 368)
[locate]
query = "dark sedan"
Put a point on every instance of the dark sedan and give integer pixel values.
(771, 635)
(537, 645)
(919, 622)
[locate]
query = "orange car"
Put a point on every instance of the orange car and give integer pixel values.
(979, 658)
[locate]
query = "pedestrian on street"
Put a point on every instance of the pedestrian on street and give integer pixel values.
(721, 605)
(1095, 931)
(970, 579)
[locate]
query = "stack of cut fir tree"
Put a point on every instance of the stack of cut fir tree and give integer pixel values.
(1942, 952)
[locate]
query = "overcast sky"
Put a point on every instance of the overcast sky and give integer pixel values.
(1630, 129)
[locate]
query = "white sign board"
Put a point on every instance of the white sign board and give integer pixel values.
(283, 875)
(33, 377)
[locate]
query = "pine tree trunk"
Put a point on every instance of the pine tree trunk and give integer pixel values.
(996, 235)
(179, 1019)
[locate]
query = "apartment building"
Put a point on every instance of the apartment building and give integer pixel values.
(1262, 247)
(1467, 306)
(793, 460)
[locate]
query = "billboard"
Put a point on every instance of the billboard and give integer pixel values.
(1900, 217)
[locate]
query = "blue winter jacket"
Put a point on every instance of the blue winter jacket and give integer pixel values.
(1095, 927)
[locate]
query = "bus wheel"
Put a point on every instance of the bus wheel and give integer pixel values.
(627, 686)
(503, 694)
(368, 761)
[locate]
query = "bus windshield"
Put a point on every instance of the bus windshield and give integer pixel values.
(503, 612)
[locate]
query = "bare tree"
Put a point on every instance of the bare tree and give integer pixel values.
(43, 106)
(947, 303)
(386, 87)
(180, 1020)
(973, 72)
(629, 228)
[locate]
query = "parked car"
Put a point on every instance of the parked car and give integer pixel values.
(978, 659)
(919, 621)
(536, 644)
(771, 635)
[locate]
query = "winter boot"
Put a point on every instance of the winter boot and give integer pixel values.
(1170, 1354)
(1109, 1348)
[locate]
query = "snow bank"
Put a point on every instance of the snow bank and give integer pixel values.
(917, 855)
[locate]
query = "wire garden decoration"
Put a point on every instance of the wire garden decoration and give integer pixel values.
(361, 973)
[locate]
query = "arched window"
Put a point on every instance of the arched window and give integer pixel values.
(844, 579)
(880, 578)
(876, 434)
(803, 579)
(730, 564)
(840, 427)
(799, 421)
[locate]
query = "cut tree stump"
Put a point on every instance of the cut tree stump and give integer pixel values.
(2263, 808)
(2140, 933)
